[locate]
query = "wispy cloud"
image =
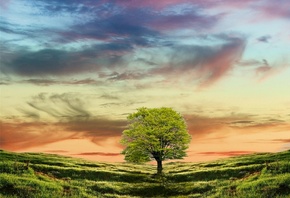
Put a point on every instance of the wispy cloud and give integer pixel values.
(275, 10)
(72, 120)
(226, 153)
(282, 140)
(99, 154)
(109, 96)
(56, 151)
(205, 64)
(249, 63)
(60, 106)
(263, 69)
(98, 128)
(264, 39)
(48, 82)
(266, 70)
(202, 126)
(128, 76)
(163, 4)
(19, 135)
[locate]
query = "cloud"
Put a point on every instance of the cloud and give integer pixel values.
(201, 126)
(127, 34)
(117, 32)
(249, 63)
(53, 81)
(60, 106)
(226, 153)
(4, 82)
(274, 10)
(264, 39)
(19, 135)
(137, 26)
(71, 120)
(19, 30)
(188, 20)
(128, 76)
(147, 62)
(99, 154)
(258, 123)
(281, 140)
(48, 82)
(266, 70)
(263, 69)
(58, 62)
(242, 122)
(56, 151)
(206, 64)
(97, 128)
(164, 4)
(150, 3)
(124, 75)
(4, 4)
(66, 6)
(109, 96)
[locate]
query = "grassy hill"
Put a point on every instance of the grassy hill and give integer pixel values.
(45, 175)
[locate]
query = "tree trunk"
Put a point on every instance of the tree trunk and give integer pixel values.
(159, 167)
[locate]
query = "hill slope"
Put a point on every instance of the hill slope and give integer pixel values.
(45, 175)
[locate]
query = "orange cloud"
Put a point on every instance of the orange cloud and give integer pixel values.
(19, 135)
(282, 140)
(226, 153)
(212, 137)
(99, 154)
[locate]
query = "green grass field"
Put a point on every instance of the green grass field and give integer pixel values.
(45, 175)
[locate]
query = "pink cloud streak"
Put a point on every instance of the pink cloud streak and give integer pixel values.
(204, 64)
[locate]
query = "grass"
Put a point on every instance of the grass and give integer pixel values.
(34, 175)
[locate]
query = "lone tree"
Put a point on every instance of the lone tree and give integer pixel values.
(157, 133)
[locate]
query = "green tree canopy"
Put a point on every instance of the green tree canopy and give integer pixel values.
(155, 134)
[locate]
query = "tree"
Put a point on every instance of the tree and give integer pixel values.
(157, 133)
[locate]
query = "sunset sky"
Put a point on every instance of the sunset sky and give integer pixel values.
(71, 71)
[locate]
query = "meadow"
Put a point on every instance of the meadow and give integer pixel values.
(37, 175)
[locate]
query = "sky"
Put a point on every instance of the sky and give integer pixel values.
(72, 71)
